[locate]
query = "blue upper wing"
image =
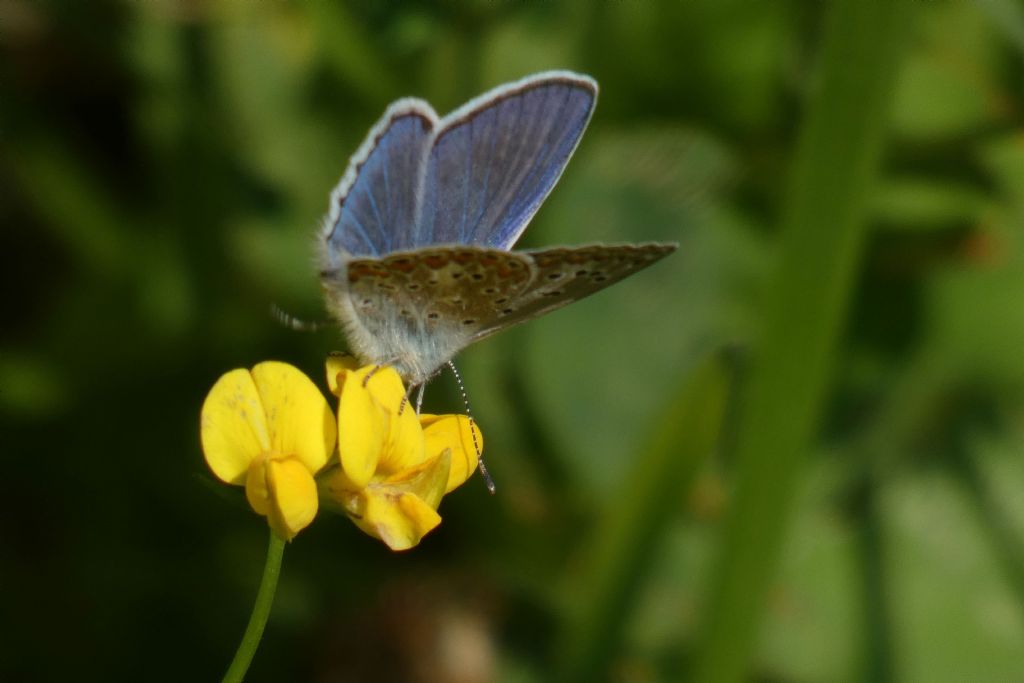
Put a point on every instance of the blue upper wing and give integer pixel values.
(373, 208)
(475, 177)
(494, 160)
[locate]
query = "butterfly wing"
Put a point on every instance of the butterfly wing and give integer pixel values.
(562, 275)
(416, 309)
(373, 208)
(494, 160)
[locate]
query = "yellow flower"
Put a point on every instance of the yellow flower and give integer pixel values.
(270, 430)
(395, 466)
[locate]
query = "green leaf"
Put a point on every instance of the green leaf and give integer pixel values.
(823, 233)
(623, 546)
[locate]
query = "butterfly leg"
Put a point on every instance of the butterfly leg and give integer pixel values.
(377, 368)
(371, 373)
(419, 398)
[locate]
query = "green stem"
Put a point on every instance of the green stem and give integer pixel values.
(626, 542)
(821, 241)
(260, 612)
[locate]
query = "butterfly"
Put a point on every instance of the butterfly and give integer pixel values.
(415, 252)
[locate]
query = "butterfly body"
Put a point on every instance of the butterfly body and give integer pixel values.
(415, 253)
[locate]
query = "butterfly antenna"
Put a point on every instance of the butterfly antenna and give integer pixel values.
(293, 323)
(472, 430)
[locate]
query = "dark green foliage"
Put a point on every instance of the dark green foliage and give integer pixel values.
(163, 166)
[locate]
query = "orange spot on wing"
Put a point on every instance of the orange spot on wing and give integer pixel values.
(436, 261)
(402, 264)
(357, 271)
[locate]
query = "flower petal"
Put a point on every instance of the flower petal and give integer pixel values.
(385, 385)
(282, 489)
(256, 491)
(399, 519)
(293, 499)
(404, 447)
(426, 481)
(362, 427)
(455, 432)
(337, 489)
(338, 363)
(233, 426)
(299, 421)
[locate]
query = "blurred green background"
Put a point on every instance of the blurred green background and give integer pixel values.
(164, 165)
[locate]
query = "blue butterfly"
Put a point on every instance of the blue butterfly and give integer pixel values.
(415, 254)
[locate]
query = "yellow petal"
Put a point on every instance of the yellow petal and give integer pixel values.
(299, 421)
(282, 489)
(233, 426)
(338, 363)
(400, 510)
(385, 385)
(404, 447)
(362, 427)
(256, 491)
(454, 432)
(399, 519)
(337, 488)
(293, 499)
(426, 481)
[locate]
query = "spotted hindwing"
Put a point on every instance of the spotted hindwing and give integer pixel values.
(427, 304)
(562, 275)
(416, 309)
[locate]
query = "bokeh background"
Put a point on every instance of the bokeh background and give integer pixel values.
(163, 167)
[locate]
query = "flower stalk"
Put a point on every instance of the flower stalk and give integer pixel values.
(260, 611)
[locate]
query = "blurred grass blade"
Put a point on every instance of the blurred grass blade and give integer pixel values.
(823, 230)
(350, 54)
(625, 541)
(68, 196)
(1007, 16)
